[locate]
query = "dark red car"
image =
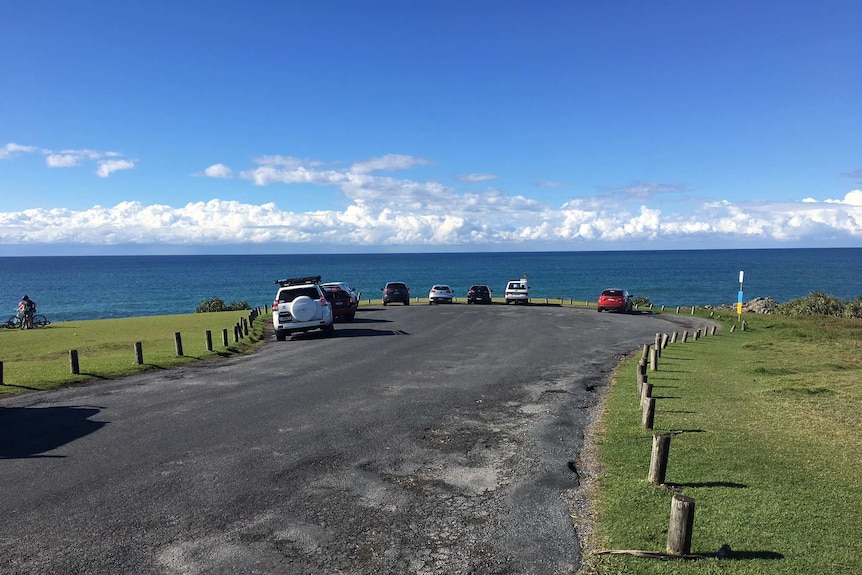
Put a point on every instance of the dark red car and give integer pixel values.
(615, 299)
(342, 298)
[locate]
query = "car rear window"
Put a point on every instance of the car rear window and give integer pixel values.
(396, 286)
(612, 293)
(288, 295)
(441, 288)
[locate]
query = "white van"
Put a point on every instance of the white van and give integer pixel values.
(517, 291)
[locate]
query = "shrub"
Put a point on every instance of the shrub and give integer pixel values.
(819, 303)
(217, 304)
(211, 304)
(641, 301)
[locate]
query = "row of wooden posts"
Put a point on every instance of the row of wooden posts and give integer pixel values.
(240, 331)
(682, 508)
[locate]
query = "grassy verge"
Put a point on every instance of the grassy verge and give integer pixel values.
(39, 358)
(768, 444)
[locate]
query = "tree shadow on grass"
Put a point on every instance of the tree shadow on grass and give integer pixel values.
(31, 431)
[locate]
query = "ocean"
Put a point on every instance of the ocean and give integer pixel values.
(71, 288)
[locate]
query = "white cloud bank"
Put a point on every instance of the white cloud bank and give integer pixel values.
(384, 212)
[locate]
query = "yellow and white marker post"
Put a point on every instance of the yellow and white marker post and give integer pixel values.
(739, 298)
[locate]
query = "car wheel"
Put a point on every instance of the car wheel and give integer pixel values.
(384, 303)
(329, 330)
(280, 335)
(598, 309)
(303, 308)
(349, 317)
(407, 302)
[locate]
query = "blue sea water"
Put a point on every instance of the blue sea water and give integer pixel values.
(96, 287)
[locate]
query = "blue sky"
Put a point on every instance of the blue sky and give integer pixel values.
(292, 127)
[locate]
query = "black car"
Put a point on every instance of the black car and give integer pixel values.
(396, 292)
(478, 294)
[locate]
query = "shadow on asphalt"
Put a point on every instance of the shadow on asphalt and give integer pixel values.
(30, 431)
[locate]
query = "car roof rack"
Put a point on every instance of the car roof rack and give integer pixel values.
(298, 281)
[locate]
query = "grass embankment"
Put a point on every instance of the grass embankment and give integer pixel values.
(769, 447)
(39, 359)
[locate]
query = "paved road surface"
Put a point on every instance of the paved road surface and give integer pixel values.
(420, 439)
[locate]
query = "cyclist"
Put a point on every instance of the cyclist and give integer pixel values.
(26, 311)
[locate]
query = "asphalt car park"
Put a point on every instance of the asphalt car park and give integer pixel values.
(415, 440)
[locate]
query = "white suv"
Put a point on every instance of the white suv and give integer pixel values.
(517, 291)
(300, 306)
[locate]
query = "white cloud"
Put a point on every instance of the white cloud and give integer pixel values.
(62, 160)
(494, 219)
(387, 163)
(218, 171)
(12, 149)
(74, 157)
(107, 167)
(854, 198)
(475, 177)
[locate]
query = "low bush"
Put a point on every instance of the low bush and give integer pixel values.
(819, 303)
(215, 304)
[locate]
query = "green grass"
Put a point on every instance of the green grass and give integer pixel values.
(40, 358)
(769, 446)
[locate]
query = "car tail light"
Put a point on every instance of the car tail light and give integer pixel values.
(275, 304)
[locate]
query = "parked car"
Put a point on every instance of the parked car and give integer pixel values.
(615, 299)
(299, 306)
(478, 293)
(343, 298)
(517, 291)
(440, 293)
(396, 292)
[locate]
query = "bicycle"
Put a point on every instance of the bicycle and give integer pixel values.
(15, 322)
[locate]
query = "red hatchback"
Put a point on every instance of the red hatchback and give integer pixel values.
(615, 299)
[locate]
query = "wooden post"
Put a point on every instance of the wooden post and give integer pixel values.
(1, 373)
(73, 362)
(645, 354)
(235, 333)
(664, 340)
(681, 525)
(712, 330)
(677, 309)
(733, 328)
(662, 309)
(224, 337)
(648, 416)
(685, 336)
(646, 391)
(139, 353)
(245, 327)
(653, 360)
(673, 337)
(178, 343)
(744, 325)
(692, 309)
(209, 340)
(657, 343)
(658, 459)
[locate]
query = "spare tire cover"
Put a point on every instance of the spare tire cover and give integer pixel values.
(303, 308)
